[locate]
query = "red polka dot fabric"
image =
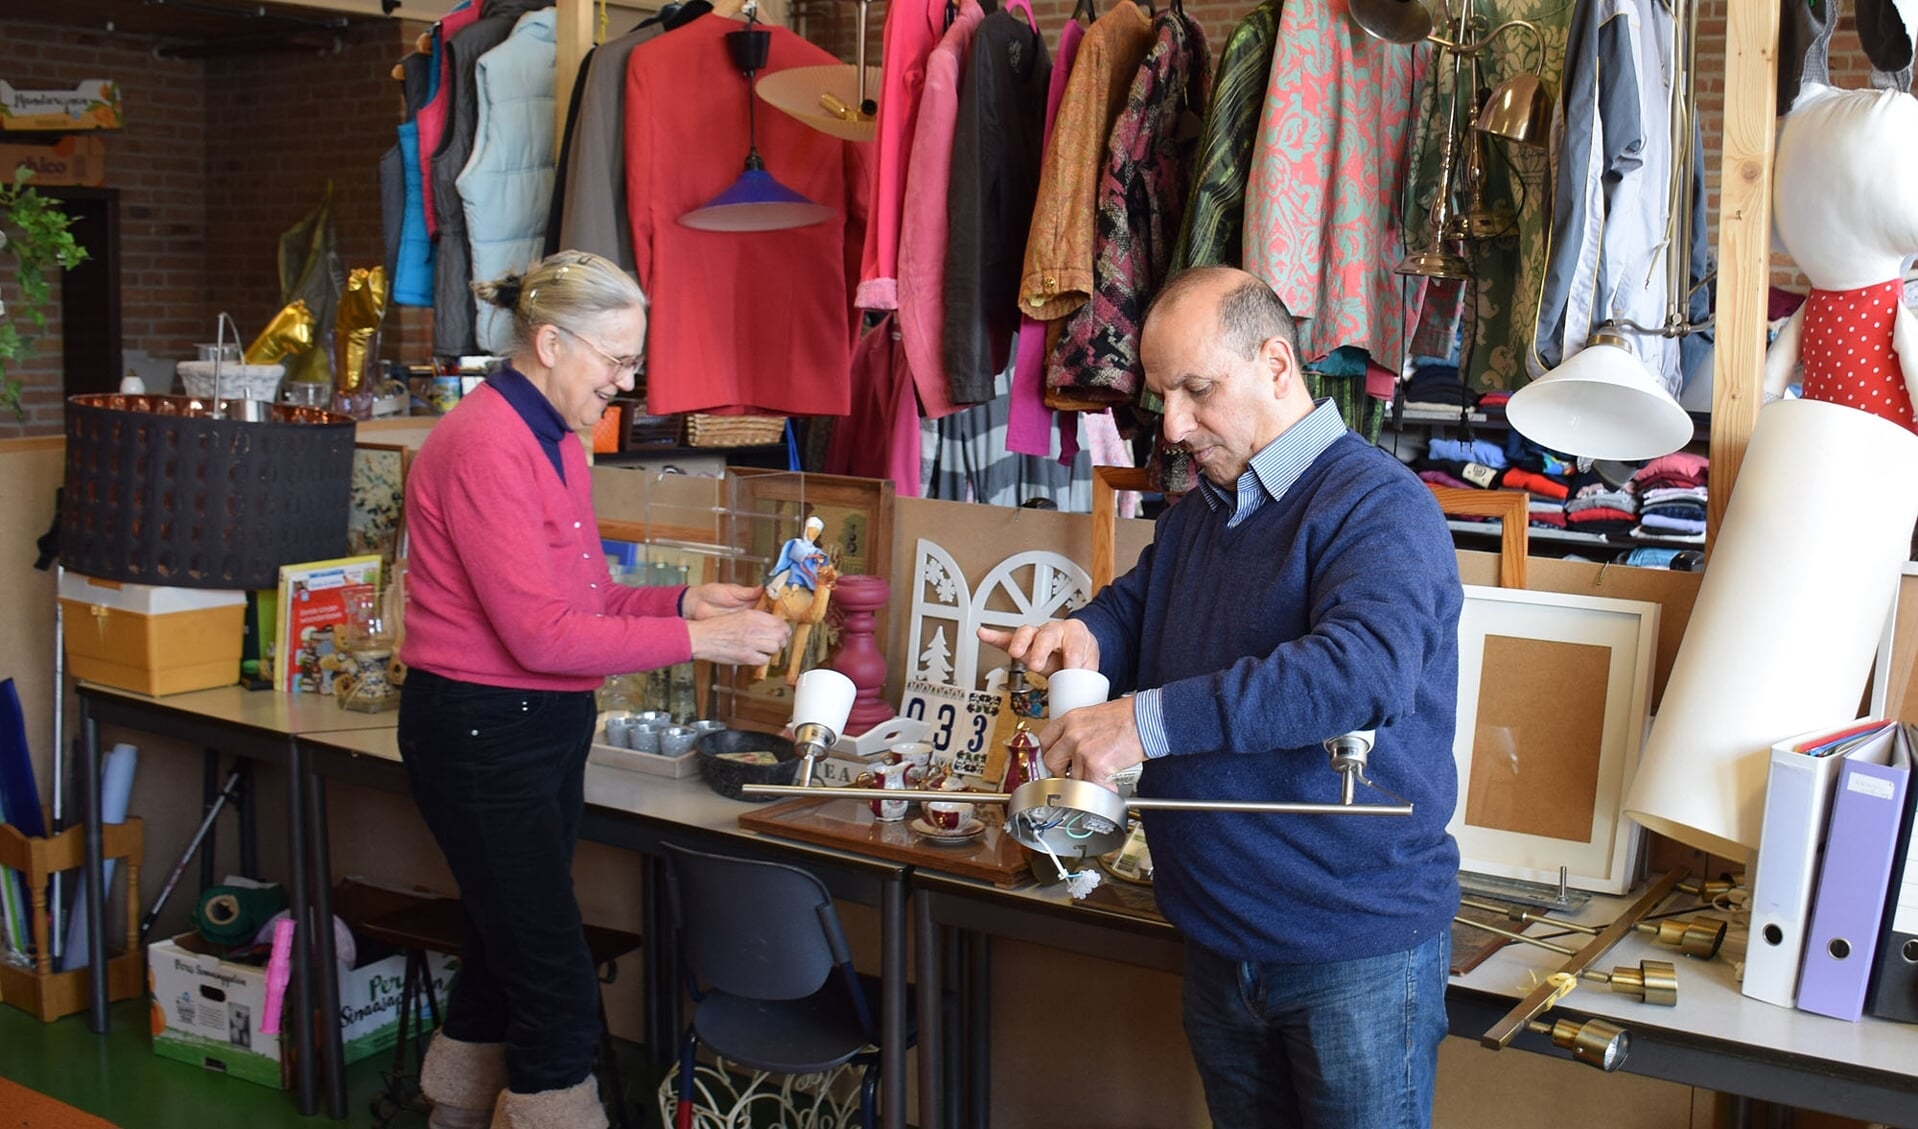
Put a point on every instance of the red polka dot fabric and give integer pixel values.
(1847, 351)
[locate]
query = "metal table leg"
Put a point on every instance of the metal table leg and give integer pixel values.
(96, 878)
(249, 824)
(659, 1033)
(300, 989)
(210, 795)
(953, 946)
(892, 1007)
(932, 1075)
(978, 1009)
(332, 1053)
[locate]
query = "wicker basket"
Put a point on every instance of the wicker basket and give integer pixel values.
(704, 430)
(155, 495)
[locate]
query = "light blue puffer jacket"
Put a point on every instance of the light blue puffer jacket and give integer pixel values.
(506, 186)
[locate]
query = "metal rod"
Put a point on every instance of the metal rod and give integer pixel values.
(1511, 936)
(1501, 1033)
(57, 895)
(1281, 807)
(192, 848)
(1529, 918)
(859, 63)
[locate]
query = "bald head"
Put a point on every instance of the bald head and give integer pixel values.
(1246, 311)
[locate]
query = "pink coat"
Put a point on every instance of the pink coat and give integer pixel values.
(1028, 430)
(922, 228)
(913, 29)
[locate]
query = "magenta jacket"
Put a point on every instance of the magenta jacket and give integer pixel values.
(506, 584)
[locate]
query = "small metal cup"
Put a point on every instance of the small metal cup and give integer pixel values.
(645, 738)
(676, 740)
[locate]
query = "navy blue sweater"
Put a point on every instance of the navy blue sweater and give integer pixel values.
(1332, 609)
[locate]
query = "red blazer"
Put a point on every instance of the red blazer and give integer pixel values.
(756, 320)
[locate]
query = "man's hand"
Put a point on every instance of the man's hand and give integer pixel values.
(704, 601)
(743, 638)
(1054, 645)
(1093, 743)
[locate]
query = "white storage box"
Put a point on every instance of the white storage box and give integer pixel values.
(152, 639)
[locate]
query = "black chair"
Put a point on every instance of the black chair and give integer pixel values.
(768, 968)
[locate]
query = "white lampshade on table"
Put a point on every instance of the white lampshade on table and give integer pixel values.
(823, 697)
(1788, 618)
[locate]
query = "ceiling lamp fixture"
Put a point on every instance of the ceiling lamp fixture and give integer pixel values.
(756, 201)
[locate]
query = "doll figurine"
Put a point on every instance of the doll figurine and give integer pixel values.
(798, 590)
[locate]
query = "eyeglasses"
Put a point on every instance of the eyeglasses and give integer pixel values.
(622, 366)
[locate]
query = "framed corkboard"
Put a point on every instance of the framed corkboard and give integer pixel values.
(1554, 696)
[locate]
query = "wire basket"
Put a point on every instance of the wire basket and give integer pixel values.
(237, 381)
(704, 430)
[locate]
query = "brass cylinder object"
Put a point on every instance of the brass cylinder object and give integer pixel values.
(1697, 937)
(1593, 1042)
(1653, 982)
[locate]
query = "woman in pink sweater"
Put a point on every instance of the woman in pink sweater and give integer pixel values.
(512, 622)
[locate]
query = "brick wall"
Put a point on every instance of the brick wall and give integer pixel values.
(280, 128)
(158, 164)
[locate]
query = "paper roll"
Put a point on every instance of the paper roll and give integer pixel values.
(116, 786)
(1788, 618)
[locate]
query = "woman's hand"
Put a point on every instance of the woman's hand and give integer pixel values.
(743, 638)
(704, 601)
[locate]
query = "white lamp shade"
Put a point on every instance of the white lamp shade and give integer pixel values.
(1787, 620)
(1067, 690)
(1603, 403)
(823, 697)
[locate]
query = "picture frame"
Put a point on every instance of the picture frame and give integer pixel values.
(774, 506)
(1542, 777)
(376, 515)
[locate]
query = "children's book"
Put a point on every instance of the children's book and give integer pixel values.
(313, 603)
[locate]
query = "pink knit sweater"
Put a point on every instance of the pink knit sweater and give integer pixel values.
(506, 584)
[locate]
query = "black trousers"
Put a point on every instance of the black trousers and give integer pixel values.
(499, 776)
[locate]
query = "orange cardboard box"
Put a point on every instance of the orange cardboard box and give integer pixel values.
(70, 160)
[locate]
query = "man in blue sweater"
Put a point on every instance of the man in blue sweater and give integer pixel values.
(1307, 589)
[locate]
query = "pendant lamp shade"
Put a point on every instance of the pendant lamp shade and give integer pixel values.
(1602, 403)
(1394, 21)
(1519, 110)
(756, 202)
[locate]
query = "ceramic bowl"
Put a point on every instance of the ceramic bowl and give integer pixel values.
(677, 740)
(727, 776)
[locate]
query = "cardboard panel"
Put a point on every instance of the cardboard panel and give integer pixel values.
(1535, 752)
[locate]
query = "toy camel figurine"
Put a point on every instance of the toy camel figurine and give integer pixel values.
(798, 590)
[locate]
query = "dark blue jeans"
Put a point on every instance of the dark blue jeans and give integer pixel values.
(499, 776)
(1340, 1045)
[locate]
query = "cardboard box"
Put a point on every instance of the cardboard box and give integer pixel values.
(206, 1010)
(149, 639)
(70, 160)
